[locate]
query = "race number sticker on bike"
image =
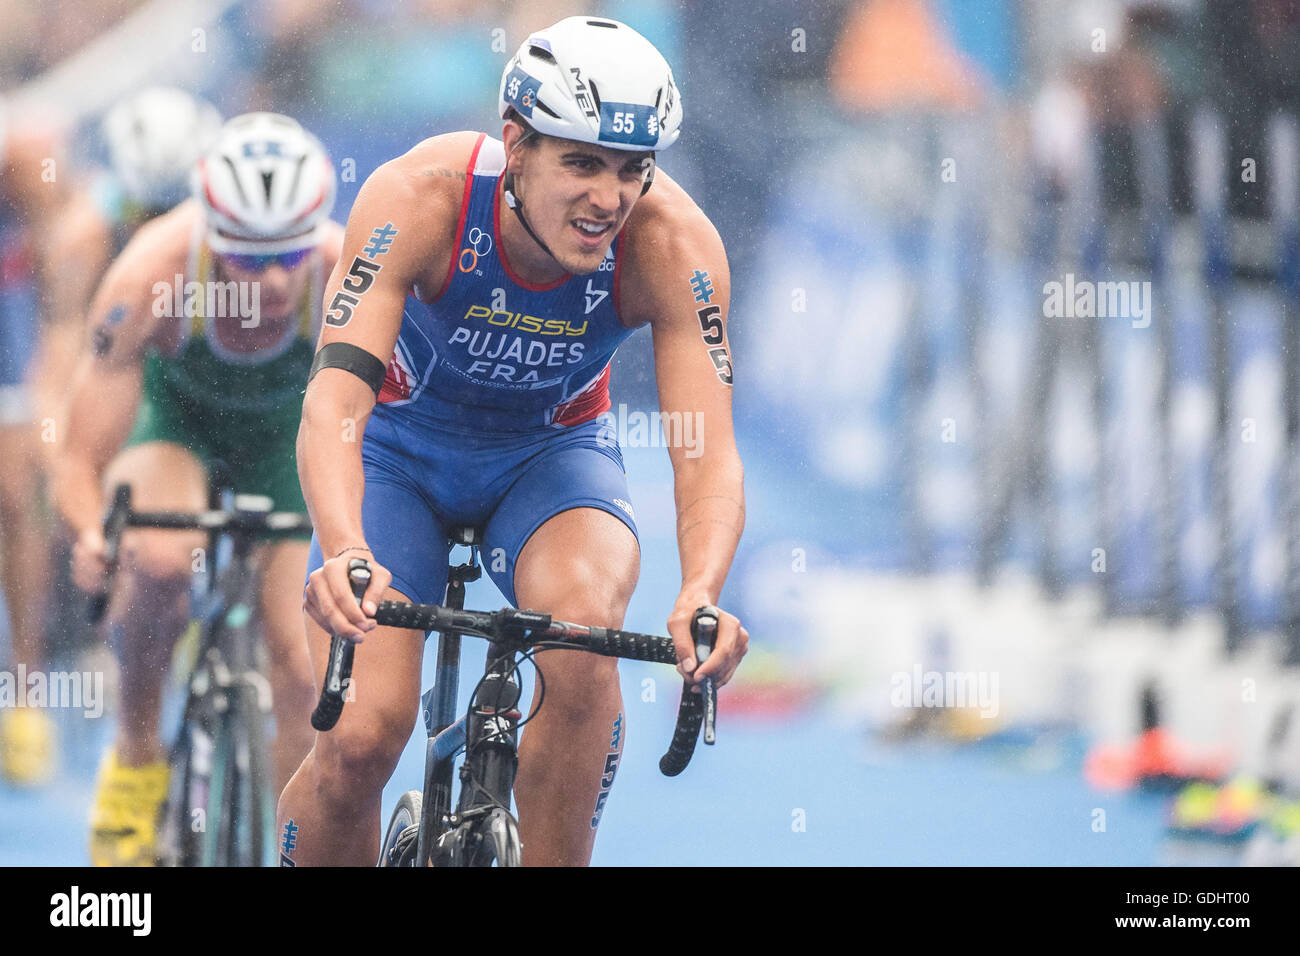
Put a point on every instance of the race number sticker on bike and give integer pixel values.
(360, 277)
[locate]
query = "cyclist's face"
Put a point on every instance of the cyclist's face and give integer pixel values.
(567, 186)
(280, 279)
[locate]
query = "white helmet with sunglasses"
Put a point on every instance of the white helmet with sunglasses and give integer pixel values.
(267, 187)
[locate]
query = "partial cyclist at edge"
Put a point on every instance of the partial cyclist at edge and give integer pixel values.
(201, 336)
(483, 289)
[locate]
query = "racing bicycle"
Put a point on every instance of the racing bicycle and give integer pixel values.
(482, 831)
(220, 809)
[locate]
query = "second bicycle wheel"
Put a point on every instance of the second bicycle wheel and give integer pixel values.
(399, 848)
(241, 818)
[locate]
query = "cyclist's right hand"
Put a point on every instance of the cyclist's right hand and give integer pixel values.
(331, 604)
(89, 562)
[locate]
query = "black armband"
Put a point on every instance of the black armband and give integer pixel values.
(351, 359)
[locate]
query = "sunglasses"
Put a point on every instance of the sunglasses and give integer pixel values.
(260, 263)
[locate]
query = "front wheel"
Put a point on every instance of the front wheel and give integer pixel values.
(498, 841)
(399, 847)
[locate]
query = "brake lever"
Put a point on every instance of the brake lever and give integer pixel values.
(704, 631)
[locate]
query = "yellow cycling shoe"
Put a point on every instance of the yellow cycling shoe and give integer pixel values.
(124, 818)
(26, 746)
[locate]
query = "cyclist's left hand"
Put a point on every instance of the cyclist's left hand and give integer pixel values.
(729, 647)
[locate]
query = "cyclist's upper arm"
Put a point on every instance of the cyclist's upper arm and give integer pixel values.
(120, 328)
(400, 224)
(676, 278)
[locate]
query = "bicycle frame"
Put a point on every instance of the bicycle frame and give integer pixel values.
(449, 732)
(225, 666)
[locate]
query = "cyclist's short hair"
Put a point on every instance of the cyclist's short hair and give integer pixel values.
(531, 136)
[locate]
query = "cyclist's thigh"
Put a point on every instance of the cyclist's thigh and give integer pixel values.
(19, 465)
(566, 526)
(382, 703)
(403, 534)
(582, 561)
(407, 539)
(163, 477)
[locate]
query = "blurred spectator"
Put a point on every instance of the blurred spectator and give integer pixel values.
(895, 55)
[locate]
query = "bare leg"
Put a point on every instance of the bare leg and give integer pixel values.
(579, 566)
(284, 567)
(24, 542)
(332, 802)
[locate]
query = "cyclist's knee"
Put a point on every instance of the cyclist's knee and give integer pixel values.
(162, 560)
(360, 755)
(579, 687)
(582, 591)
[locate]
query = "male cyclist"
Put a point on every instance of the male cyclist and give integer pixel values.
(30, 148)
(153, 138)
(202, 334)
(484, 286)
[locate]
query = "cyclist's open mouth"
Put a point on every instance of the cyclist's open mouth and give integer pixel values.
(591, 232)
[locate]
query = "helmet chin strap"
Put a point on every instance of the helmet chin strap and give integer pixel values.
(517, 204)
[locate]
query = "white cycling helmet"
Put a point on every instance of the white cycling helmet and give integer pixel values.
(267, 186)
(597, 81)
(154, 137)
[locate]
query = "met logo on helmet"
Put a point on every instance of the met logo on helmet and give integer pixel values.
(580, 88)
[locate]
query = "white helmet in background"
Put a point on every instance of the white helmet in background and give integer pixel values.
(266, 186)
(597, 81)
(154, 137)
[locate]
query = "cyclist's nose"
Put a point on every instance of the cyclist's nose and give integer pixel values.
(605, 195)
(275, 280)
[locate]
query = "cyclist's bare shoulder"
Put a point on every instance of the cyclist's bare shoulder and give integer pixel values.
(147, 268)
(667, 236)
(80, 233)
(420, 194)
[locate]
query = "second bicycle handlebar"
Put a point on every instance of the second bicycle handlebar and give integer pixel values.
(257, 522)
(519, 630)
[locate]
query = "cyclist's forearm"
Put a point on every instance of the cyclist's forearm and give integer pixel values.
(710, 519)
(75, 487)
(99, 418)
(330, 470)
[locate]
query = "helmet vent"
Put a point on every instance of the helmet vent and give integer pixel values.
(602, 23)
(266, 186)
(544, 55)
(595, 94)
(546, 109)
(297, 178)
(234, 175)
